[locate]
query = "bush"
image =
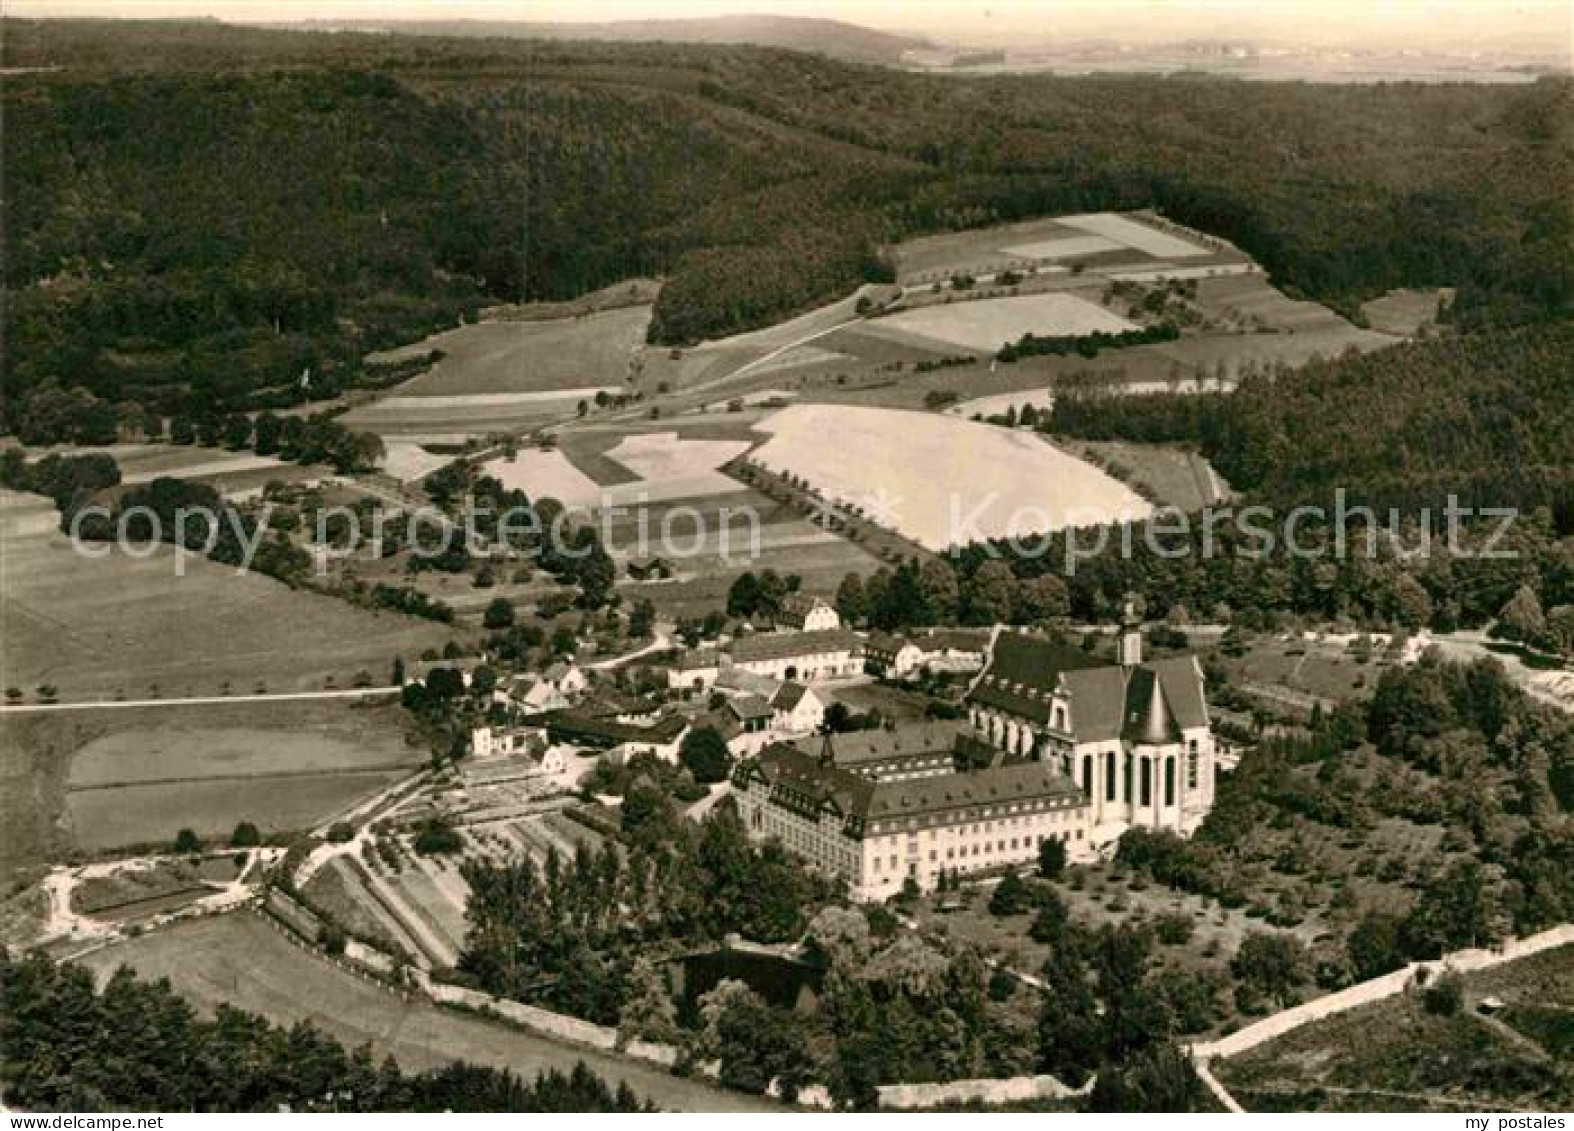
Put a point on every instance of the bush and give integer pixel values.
(436, 837)
(340, 832)
(1174, 929)
(1444, 997)
(187, 842)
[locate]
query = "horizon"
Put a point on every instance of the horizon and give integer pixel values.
(1461, 26)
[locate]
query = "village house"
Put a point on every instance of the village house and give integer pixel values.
(879, 812)
(803, 613)
(1133, 735)
(951, 649)
(803, 656)
(694, 670)
(892, 657)
(660, 736)
(795, 709)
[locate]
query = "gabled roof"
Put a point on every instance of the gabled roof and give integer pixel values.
(885, 643)
(1166, 696)
(1024, 671)
(749, 707)
(800, 781)
(786, 645)
(861, 747)
(788, 696)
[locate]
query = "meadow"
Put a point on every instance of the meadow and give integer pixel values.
(131, 627)
(92, 780)
(984, 325)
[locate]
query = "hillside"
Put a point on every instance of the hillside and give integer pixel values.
(198, 212)
(834, 38)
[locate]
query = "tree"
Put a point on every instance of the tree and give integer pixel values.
(187, 842)
(989, 595)
(499, 613)
(435, 836)
(1051, 858)
(851, 605)
(1040, 599)
(245, 836)
(1269, 965)
(704, 753)
(1375, 946)
(649, 1013)
(1522, 619)
(1010, 896)
(1156, 1079)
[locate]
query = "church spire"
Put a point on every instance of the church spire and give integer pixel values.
(1129, 651)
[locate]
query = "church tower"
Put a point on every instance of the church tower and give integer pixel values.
(1128, 652)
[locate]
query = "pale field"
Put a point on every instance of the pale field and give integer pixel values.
(230, 473)
(407, 460)
(981, 249)
(103, 627)
(663, 465)
(532, 357)
(241, 960)
(997, 404)
(929, 473)
(988, 324)
(1064, 247)
(1133, 234)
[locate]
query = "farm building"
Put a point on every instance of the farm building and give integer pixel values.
(803, 613)
(805, 656)
(891, 656)
(694, 670)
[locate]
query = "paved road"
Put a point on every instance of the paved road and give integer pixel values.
(200, 701)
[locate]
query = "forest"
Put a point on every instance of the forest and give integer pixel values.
(198, 215)
(134, 1045)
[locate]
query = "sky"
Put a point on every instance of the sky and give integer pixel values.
(1459, 25)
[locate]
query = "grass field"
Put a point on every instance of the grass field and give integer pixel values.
(102, 628)
(1394, 1055)
(91, 780)
(491, 358)
(984, 325)
(1172, 476)
(929, 474)
(241, 960)
(1405, 312)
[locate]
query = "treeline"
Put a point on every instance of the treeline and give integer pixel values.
(68, 480)
(1085, 345)
(138, 1046)
(291, 202)
(195, 517)
(1487, 417)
